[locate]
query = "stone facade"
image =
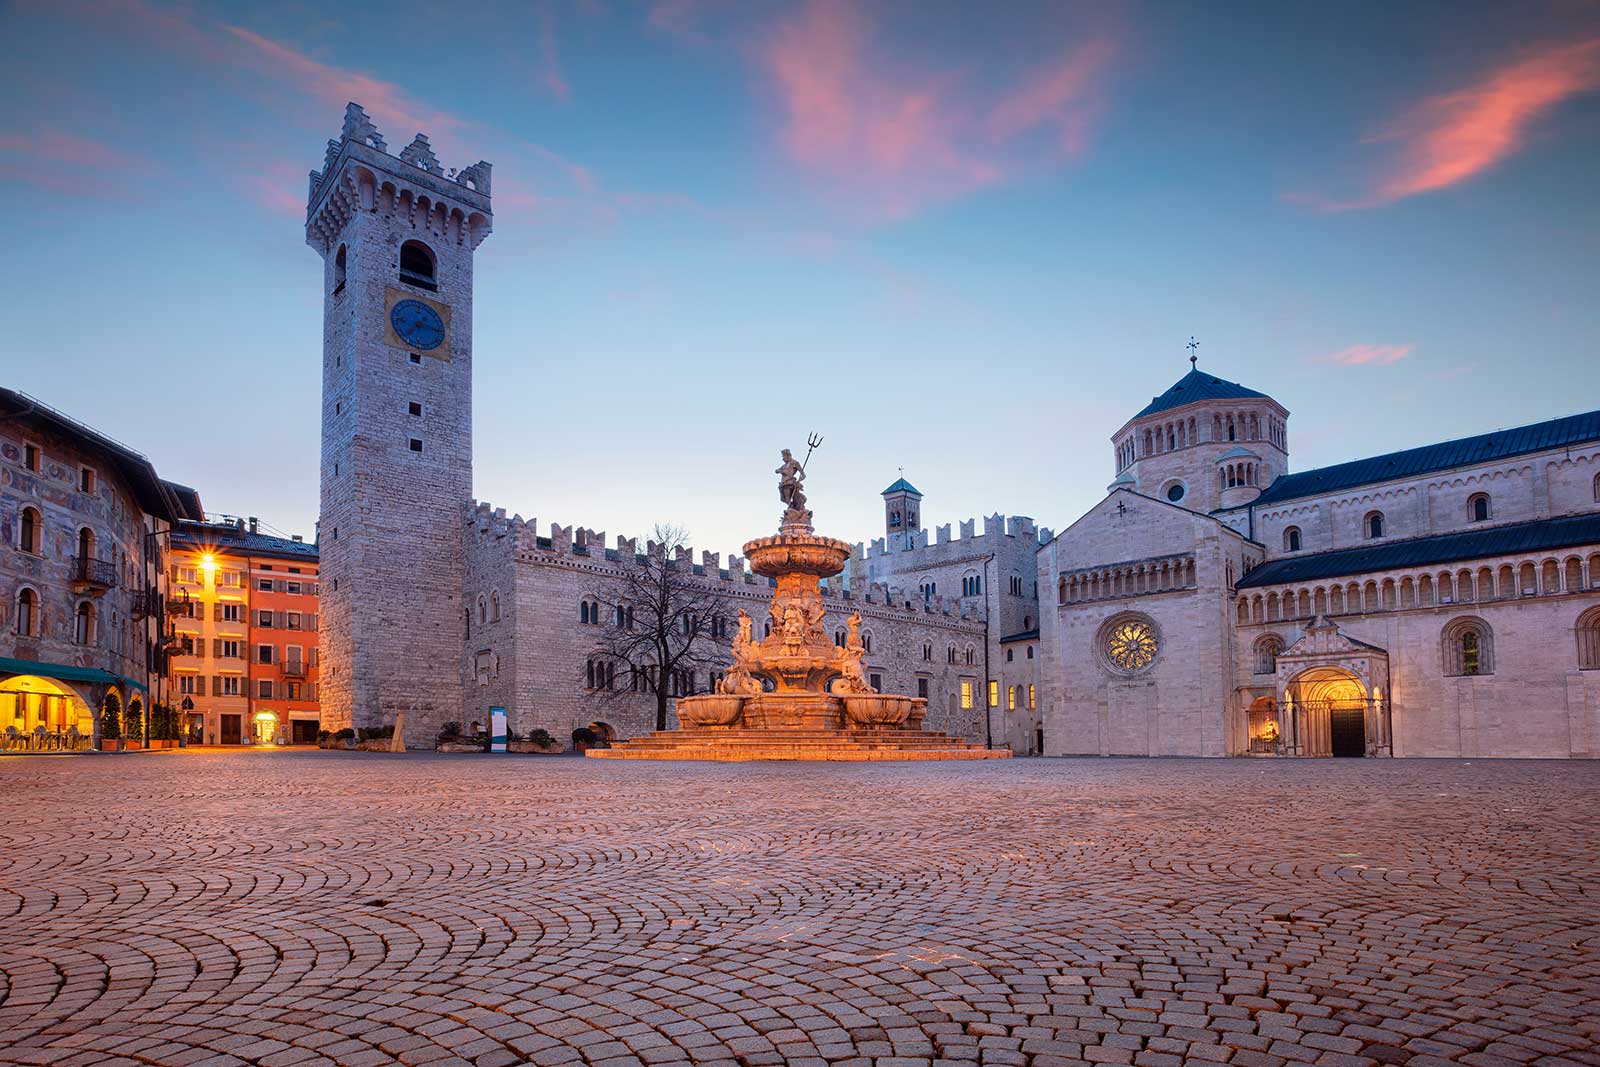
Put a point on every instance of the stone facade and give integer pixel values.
(529, 645)
(1487, 645)
(83, 522)
(396, 424)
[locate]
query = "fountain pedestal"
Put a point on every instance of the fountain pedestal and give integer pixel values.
(795, 694)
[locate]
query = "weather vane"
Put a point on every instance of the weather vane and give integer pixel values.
(1191, 346)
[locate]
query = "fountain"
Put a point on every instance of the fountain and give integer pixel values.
(795, 694)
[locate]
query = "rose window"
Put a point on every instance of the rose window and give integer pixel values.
(1131, 646)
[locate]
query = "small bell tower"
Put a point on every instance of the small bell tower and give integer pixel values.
(902, 508)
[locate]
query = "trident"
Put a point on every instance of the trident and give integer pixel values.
(812, 441)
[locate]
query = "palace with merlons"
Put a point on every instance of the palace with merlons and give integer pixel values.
(1440, 601)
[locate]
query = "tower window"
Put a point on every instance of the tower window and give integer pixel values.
(417, 266)
(1478, 507)
(414, 357)
(415, 408)
(416, 444)
(1291, 539)
(1374, 525)
(338, 271)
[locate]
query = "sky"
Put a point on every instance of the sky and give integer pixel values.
(968, 240)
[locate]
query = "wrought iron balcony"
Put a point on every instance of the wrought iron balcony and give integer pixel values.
(146, 603)
(293, 669)
(93, 575)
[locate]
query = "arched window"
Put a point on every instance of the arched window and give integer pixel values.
(950, 654)
(27, 613)
(338, 271)
(32, 532)
(85, 544)
(839, 638)
(1030, 656)
(1373, 525)
(927, 653)
(972, 655)
(494, 607)
(1291, 539)
(1478, 507)
(583, 612)
(417, 265)
(1597, 488)
(483, 609)
(83, 631)
(866, 640)
(1589, 640)
(1267, 649)
(1468, 647)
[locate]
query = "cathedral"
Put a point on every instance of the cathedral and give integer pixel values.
(1440, 601)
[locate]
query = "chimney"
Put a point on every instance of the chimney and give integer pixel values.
(252, 524)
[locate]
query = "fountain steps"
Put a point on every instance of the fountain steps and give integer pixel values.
(731, 744)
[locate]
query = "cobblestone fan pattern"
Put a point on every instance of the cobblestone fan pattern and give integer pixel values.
(320, 908)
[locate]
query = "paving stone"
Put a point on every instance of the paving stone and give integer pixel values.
(301, 909)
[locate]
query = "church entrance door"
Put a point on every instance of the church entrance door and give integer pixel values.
(1348, 726)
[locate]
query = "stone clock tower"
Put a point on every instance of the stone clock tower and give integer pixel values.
(396, 235)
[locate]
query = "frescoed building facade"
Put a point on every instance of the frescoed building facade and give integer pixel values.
(84, 522)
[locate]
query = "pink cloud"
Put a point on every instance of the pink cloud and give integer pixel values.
(1368, 355)
(549, 58)
(58, 162)
(1452, 137)
(903, 138)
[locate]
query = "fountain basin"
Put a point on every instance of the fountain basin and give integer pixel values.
(876, 709)
(711, 709)
(797, 554)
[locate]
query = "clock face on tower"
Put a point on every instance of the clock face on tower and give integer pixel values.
(417, 324)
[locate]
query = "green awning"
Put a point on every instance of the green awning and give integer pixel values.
(66, 672)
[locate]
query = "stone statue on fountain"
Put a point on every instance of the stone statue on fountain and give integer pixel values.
(790, 476)
(848, 660)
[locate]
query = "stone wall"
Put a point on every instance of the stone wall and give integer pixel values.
(537, 649)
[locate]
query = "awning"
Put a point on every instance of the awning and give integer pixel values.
(66, 672)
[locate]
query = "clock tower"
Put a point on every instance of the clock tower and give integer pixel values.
(397, 236)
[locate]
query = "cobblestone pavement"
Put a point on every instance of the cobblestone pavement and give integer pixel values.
(311, 907)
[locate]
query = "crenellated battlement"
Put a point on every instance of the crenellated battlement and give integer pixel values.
(486, 525)
(358, 174)
(914, 547)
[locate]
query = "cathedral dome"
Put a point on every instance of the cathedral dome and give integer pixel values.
(1198, 385)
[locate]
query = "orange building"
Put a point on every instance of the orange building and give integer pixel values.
(246, 670)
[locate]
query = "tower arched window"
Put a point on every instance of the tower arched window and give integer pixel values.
(417, 266)
(1478, 507)
(1291, 539)
(866, 640)
(1373, 525)
(32, 531)
(494, 607)
(483, 609)
(27, 613)
(1468, 647)
(839, 638)
(338, 271)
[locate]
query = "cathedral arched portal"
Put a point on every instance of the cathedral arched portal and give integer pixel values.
(1329, 712)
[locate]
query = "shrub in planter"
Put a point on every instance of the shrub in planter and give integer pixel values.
(541, 737)
(377, 733)
(324, 737)
(449, 734)
(111, 721)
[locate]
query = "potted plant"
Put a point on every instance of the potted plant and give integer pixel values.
(345, 738)
(536, 740)
(324, 738)
(110, 726)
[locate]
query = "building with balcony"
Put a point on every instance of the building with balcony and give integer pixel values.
(83, 520)
(245, 671)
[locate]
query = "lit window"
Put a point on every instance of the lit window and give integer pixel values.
(966, 694)
(994, 694)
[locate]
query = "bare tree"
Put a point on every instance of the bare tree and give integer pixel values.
(661, 625)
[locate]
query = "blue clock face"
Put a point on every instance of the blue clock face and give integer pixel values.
(417, 324)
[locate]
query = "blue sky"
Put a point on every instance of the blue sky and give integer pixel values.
(966, 239)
